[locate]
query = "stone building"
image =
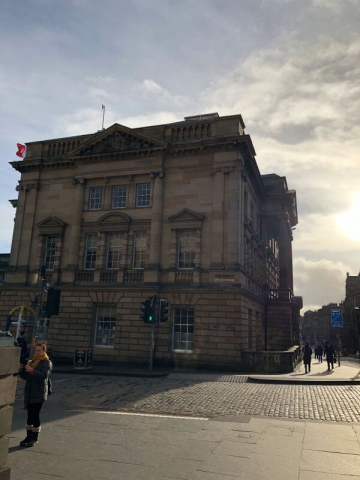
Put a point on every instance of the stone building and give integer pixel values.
(177, 210)
(352, 312)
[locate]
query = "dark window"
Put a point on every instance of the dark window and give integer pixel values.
(50, 251)
(118, 199)
(90, 251)
(95, 198)
(143, 195)
(183, 329)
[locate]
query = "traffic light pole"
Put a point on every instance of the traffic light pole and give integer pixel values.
(152, 346)
(38, 311)
(152, 337)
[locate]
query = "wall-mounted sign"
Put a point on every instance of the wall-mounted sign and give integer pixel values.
(336, 318)
(216, 326)
(224, 277)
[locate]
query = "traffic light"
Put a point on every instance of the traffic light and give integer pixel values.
(148, 311)
(163, 311)
(53, 302)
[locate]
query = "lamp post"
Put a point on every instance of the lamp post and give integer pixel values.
(357, 317)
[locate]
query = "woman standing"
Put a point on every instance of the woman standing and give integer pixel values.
(36, 373)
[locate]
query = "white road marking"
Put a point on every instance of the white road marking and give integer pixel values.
(141, 414)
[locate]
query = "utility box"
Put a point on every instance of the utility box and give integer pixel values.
(9, 365)
(83, 359)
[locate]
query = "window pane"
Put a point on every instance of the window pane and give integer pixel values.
(50, 251)
(143, 195)
(139, 251)
(183, 328)
(105, 326)
(186, 249)
(90, 251)
(118, 197)
(95, 198)
(113, 252)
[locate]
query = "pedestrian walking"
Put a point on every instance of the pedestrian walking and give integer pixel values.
(36, 373)
(307, 352)
(320, 353)
(330, 354)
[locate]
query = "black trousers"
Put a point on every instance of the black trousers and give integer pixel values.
(33, 410)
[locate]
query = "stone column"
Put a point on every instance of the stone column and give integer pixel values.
(19, 220)
(284, 267)
(155, 231)
(73, 241)
(217, 254)
(232, 216)
(75, 232)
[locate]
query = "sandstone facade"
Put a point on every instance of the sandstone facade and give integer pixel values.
(179, 211)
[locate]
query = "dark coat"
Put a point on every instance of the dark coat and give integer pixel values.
(330, 353)
(307, 354)
(36, 388)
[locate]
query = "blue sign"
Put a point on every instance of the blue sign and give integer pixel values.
(336, 318)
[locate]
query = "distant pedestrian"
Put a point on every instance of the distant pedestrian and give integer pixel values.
(36, 373)
(307, 352)
(320, 353)
(330, 354)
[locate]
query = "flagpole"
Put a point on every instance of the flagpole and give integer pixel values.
(103, 109)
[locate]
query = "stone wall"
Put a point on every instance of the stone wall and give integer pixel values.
(9, 363)
(225, 324)
(271, 362)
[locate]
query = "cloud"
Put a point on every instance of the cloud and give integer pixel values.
(319, 282)
(158, 95)
(336, 6)
(7, 215)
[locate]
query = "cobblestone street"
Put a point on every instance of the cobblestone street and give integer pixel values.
(206, 398)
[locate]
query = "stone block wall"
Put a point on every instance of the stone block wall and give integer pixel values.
(226, 322)
(9, 363)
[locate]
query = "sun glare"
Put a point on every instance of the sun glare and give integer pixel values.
(349, 222)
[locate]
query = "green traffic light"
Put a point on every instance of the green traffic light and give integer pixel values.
(150, 318)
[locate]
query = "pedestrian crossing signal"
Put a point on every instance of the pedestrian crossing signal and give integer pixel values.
(163, 311)
(148, 315)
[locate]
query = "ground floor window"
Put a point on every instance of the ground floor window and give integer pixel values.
(105, 326)
(183, 330)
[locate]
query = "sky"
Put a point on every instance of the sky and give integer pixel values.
(291, 68)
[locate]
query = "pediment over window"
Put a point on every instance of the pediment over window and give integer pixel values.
(186, 215)
(186, 219)
(115, 218)
(52, 225)
(114, 222)
(118, 139)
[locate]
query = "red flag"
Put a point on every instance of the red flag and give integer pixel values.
(21, 150)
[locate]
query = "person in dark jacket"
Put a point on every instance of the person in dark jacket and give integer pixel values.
(36, 373)
(307, 352)
(320, 353)
(330, 354)
(23, 345)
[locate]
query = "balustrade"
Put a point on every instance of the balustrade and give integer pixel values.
(61, 148)
(108, 276)
(184, 276)
(84, 276)
(191, 132)
(133, 276)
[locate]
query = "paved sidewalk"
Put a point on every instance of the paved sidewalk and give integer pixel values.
(348, 373)
(89, 445)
